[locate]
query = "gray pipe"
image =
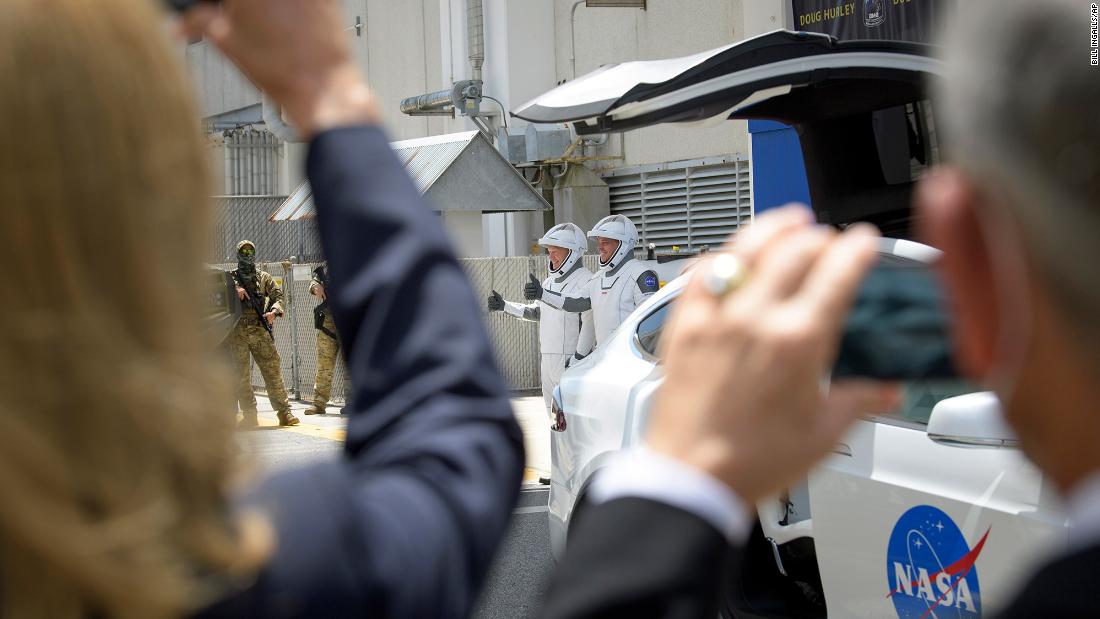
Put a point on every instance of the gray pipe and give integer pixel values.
(475, 36)
(262, 159)
(252, 167)
(429, 102)
(269, 172)
(227, 143)
(237, 188)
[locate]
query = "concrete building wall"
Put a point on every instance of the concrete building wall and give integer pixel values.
(411, 47)
(766, 15)
(220, 86)
(466, 232)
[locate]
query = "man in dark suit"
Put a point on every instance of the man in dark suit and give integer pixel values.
(405, 524)
(1017, 214)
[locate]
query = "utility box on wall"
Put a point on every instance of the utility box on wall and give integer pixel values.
(512, 144)
(546, 142)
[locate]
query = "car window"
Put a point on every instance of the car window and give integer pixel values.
(921, 396)
(918, 397)
(649, 330)
(907, 141)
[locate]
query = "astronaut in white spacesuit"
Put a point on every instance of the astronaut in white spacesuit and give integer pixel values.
(620, 286)
(561, 334)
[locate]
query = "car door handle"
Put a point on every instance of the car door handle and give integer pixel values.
(842, 449)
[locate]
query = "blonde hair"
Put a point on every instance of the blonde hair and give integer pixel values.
(116, 428)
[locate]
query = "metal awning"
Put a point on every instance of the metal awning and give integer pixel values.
(456, 172)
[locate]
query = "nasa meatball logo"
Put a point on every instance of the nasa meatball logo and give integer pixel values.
(650, 281)
(874, 13)
(930, 568)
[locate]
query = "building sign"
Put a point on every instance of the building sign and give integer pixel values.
(891, 20)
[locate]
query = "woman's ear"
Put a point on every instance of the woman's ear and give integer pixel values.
(946, 206)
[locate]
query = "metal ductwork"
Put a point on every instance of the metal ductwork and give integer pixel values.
(475, 36)
(464, 96)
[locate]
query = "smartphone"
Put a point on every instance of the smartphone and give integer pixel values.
(898, 328)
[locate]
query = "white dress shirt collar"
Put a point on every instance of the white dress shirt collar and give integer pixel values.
(1083, 509)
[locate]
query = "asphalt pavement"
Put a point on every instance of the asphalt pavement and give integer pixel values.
(521, 569)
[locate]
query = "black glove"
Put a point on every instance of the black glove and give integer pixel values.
(495, 302)
(532, 291)
(575, 357)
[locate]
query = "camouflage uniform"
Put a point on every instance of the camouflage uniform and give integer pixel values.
(250, 337)
(328, 347)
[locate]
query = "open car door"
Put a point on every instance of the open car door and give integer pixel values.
(860, 109)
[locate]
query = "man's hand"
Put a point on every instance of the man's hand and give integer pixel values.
(532, 291)
(297, 52)
(242, 294)
(743, 399)
(495, 302)
(270, 316)
(319, 292)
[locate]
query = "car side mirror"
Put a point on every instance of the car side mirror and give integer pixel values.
(971, 420)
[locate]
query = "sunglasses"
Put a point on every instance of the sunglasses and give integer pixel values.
(247, 251)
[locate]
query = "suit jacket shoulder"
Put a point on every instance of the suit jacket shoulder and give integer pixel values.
(1065, 587)
(638, 558)
(406, 522)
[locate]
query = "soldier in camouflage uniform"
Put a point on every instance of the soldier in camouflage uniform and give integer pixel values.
(250, 336)
(328, 344)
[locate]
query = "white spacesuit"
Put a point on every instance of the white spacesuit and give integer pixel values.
(620, 286)
(561, 334)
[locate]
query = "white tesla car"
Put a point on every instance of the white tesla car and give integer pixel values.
(927, 511)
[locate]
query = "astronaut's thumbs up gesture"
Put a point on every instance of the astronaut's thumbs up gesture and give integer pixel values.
(532, 291)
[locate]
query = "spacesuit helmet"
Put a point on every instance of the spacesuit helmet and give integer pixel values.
(620, 228)
(569, 236)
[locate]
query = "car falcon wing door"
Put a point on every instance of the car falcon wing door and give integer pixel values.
(724, 82)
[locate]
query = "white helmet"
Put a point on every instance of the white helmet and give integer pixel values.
(571, 237)
(620, 228)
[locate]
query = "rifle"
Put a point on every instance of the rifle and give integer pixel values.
(319, 311)
(254, 299)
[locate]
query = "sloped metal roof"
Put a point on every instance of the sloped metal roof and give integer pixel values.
(456, 171)
(426, 159)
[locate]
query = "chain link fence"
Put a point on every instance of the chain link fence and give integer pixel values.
(248, 217)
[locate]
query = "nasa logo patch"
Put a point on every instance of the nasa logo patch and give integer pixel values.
(874, 13)
(650, 281)
(930, 569)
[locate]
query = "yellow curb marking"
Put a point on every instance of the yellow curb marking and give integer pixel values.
(332, 434)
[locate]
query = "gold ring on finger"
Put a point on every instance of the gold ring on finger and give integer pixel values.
(724, 274)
